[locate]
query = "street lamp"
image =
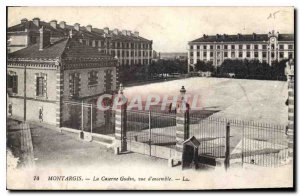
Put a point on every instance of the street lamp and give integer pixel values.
(121, 88)
(182, 92)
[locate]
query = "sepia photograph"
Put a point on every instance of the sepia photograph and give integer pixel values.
(150, 98)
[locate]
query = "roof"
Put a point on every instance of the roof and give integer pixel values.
(29, 25)
(96, 33)
(65, 48)
(242, 38)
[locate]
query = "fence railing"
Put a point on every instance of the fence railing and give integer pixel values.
(249, 142)
(150, 127)
(88, 118)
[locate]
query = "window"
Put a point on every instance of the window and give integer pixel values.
(40, 83)
(198, 53)
(191, 54)
(90, 43)
(204, 47)
(74, 84)
(12, 83)
(40, 86)
(191, 47)
(225, 54)
(248, 54)
(93, 77)
(248, 47)
(218, 47)
(281, 54)
(281, 47)
(225, 47)
(240, 47)
(232, 47)
(264, 54)
(290, 55)
(255, 54)
(204, 54)
(240, 54)
(272, 46)
(232, 54)
(264, 47)
(211, 54)
(198, 47)
(211, 47)
(272, 54)
(290, 47)
(256, 47)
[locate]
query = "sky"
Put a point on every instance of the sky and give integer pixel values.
(170, 28)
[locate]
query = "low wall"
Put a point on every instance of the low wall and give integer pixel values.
(153, 150)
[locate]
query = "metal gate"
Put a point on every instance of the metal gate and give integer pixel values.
(149, 129)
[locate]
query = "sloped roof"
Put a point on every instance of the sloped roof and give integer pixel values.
(29, 25)
(242, 38)
(96, 33)
(65, 48)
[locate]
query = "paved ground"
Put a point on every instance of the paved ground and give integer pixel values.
(257, 100)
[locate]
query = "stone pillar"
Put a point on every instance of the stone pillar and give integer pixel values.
(121, 124)
(291, 102)
(59, 96)
(182, 124)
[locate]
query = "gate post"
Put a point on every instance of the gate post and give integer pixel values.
(121, 123)
(182, 124)
(289, 71)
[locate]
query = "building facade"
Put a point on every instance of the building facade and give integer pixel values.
(54, 72)
(128, 46)
(264, 47)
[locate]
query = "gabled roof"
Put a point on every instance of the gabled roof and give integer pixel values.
(59, 32)
(242, 38)
(29, 25)
(65, 48)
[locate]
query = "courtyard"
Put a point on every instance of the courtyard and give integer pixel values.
(250, 100)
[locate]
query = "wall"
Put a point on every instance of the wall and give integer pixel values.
(34, 103)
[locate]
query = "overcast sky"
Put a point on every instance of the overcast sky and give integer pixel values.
(170, 28)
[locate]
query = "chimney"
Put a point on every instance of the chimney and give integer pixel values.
(124, 32)
(106, 30)
(204, 36)
(239, 36)
(36, 21)
(62, 24)
(89, 28)
(129, 33)
(116, 31)
(77, 26)
(136, 34)
(71, 33)
(24, 20)
(44, 38)
(218, 36)
(254, 35)
(53, 23)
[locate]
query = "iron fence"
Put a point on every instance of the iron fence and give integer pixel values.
(88, 118)
(151, 127)
(250, 142)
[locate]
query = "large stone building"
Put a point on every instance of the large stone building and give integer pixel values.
(57, 71)
(128, 46)
(264, 47)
